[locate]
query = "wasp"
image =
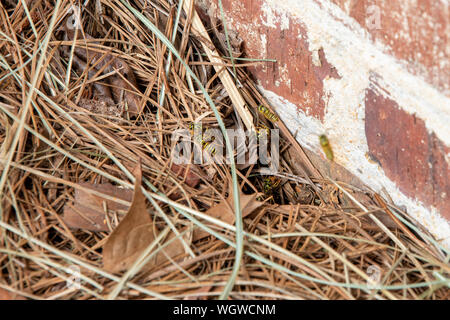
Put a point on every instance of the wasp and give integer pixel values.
(207, 146)
(260, 129)
(271, 183)
(268, 114)
(326, 147)
(194, 125)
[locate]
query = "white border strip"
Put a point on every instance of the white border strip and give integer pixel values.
(348, 48)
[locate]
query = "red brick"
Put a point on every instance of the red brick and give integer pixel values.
(416, 32)
(410, 156)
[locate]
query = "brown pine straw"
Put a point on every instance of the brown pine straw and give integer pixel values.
(316, 239)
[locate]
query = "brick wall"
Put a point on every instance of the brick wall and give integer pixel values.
(374, 75)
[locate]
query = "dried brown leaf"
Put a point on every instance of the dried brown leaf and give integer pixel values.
(134, 234)
(87, 211)
(121, 89)
(192, 179)
(225, 211)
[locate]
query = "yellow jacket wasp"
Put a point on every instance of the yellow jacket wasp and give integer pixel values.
(325, 144)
